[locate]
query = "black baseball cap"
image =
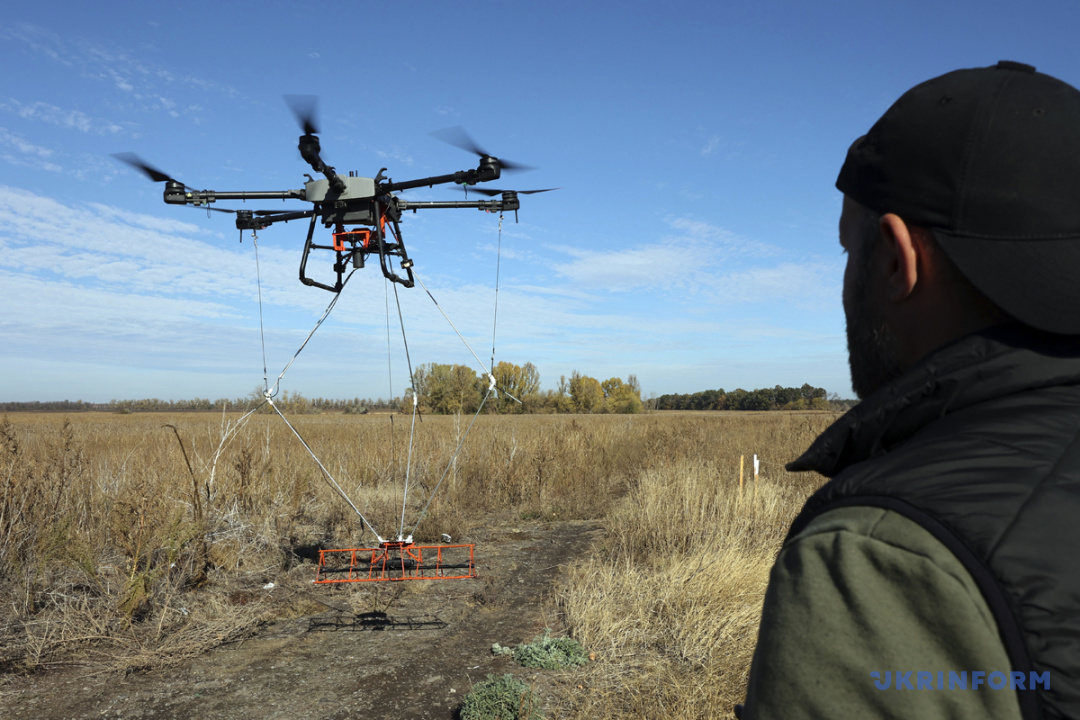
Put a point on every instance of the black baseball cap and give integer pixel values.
(989, 160)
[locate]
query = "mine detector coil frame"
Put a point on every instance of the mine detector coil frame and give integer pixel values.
(396, 561)
(341, 201)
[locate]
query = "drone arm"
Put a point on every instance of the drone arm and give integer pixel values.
(249, 220)
(204, 197)
(487, 170)
(488, 205)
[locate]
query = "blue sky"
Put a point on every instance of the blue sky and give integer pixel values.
(693, 242)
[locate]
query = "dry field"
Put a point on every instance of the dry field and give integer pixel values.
(122, 537)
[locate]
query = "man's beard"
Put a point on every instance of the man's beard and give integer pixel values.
(873, 351)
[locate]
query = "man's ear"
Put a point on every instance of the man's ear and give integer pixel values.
(902, 257)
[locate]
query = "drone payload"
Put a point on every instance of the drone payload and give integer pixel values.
(339, 201)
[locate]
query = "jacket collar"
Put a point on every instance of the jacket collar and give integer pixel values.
(991, 363)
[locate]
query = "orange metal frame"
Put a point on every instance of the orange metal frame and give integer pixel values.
(395, 561)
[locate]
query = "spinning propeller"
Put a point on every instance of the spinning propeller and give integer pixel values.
(492, 192)
(457, 137)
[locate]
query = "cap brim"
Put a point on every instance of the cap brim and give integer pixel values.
(1036, 281)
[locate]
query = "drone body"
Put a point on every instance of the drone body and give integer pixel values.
(339, 201)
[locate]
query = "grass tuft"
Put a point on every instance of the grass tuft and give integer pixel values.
(502, 697)
(548, 653)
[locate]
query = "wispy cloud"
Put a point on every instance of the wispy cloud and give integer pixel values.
(29, 154)
(66, 118)
(811, 284)
(644, 266)
(140, 79)
(24, 146)
(690, 255)
(395, 154)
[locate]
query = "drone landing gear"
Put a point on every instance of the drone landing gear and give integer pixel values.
(353, 247)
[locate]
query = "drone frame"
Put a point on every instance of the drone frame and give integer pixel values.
(346, 200)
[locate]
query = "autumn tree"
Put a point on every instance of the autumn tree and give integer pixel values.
(521, 382)
(448, 388)
(586, 393)
(622, 397)
(610, 385)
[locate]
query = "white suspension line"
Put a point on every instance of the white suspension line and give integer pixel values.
(408, 465)
(390, 375)
(495, 318)
(415, 412)
(268, 394)
(389, 364)
(272, 393)
(491, 388)
(258, 285)
(478, 360)
(491, 378)
(326, 473)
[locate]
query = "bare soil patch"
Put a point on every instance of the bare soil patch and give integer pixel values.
(408, 650)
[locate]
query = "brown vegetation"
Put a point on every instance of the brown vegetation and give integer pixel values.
(121, 536)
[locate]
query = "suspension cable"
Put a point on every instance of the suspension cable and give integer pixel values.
(258, 284)
(389, 364)
(478, 360)
(495, 319)
(461, 443)
(271, 393)
(390, 375)
(415, 412)
(404, 340)
(326, 473)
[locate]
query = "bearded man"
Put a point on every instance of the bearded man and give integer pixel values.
(937, 573)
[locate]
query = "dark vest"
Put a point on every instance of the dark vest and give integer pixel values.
(980, 444)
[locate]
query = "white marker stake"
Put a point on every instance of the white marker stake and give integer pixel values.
(755, 479)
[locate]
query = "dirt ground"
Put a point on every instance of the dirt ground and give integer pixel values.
(404, 650)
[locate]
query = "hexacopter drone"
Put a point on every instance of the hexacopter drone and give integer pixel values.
(340, 201)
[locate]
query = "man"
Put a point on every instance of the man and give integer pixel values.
(937, 574)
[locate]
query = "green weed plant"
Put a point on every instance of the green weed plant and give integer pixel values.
(502, 697)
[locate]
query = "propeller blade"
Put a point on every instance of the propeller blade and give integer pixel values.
(457, 137)
(303, 107)
(142, 166)
(492, 192)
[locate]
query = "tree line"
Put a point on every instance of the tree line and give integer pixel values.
(806, 397)
(448, 388)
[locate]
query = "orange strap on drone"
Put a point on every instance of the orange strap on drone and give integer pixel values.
(361, 237)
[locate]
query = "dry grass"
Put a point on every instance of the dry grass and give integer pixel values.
(671, 606)
(128, 541)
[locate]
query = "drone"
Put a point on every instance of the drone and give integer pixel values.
(363, 213)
